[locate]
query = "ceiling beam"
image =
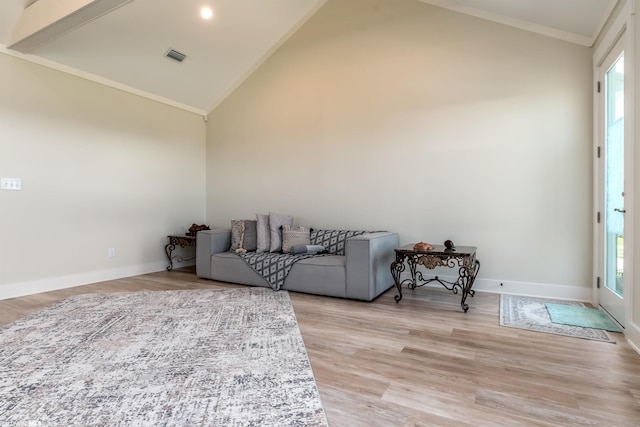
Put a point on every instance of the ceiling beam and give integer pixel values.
(45, 20)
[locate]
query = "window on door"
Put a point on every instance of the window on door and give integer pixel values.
(614, 176)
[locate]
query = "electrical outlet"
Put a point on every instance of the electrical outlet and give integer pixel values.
(11, 184)
(111, 252)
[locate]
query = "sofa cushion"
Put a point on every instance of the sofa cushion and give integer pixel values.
(243, 235)
(292, 236)
(321, 275)
(263, 233)
(276, 221)
(229, 267)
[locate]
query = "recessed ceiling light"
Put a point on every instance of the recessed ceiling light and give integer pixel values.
(206, 13)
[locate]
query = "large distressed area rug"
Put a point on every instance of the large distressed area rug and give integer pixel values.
(531, 313)
(230, 357)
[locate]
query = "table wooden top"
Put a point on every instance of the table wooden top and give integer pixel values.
(438, 250)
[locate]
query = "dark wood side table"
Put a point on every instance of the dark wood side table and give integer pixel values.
(178, 240)
(462, 257)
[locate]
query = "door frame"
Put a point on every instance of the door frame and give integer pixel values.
(608, 299)
(622, 28)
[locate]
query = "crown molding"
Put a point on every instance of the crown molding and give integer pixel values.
(97, 79)
(567, 36)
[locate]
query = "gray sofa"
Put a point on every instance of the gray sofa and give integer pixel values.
(362, 273)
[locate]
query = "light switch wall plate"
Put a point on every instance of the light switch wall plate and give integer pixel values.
(10, 184)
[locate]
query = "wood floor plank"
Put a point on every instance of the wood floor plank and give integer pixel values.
(362, 411)
(544, 410)
(424, 362)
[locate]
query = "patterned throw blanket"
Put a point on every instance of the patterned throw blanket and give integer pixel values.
(275, 267)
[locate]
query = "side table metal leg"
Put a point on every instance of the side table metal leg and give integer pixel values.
(467, 278)
(465, 292)
(397, 267)
(168, 250)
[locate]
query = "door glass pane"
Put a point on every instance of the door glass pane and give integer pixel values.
(614, 176)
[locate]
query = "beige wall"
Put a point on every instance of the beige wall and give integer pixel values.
(100, 168)
(397, 115)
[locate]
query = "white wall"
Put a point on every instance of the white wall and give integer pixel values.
(100, 168)
(398, 115)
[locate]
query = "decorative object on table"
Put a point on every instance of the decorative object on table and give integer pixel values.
(193, 230)
(464, 259)
(423, 247)
(448, 244)
(189, 357)
(531, 313)
(183, 241)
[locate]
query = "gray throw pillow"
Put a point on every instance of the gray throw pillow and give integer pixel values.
(243, 235)
(264, 235)
(276, 221)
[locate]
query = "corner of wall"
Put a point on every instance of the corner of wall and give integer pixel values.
(632, 334)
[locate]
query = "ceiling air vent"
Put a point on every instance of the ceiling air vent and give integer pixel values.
(175, 55)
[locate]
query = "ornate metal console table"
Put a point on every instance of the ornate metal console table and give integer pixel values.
(179, 240)
(462, 257)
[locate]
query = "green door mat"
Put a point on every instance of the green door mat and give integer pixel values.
(585, 317)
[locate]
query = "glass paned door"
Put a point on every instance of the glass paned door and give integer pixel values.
(611, 295)
(614, 177)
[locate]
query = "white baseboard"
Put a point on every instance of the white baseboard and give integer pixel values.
(14, 290)
(541, 290)
(632, 334)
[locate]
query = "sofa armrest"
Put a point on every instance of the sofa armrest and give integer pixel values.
(368, 264)
(209, 242)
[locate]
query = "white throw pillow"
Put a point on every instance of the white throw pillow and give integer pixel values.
(293, 236)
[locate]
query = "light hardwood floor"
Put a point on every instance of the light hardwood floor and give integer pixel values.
(423, 362)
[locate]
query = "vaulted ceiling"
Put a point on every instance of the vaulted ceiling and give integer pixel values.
(123, 43)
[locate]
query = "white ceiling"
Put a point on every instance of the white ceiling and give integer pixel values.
(113, 48)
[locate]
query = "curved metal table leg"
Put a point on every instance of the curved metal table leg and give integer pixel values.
(168, 250)
(466, 280)
(397, 267)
